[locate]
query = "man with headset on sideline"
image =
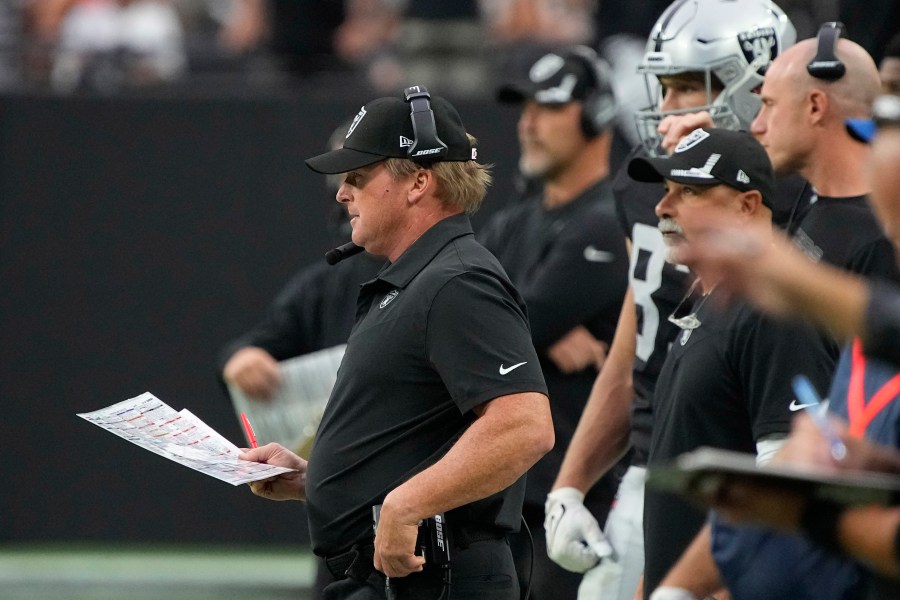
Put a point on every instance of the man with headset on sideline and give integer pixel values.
(563, 249)
(440, 406)
(314, 310)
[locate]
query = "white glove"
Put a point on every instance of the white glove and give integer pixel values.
(574, 539)
(671, 593)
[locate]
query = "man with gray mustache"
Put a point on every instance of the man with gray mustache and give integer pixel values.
(725, 382)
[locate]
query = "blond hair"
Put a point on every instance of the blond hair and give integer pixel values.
(460, 184)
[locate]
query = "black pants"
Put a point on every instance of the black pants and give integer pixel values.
(483, 571)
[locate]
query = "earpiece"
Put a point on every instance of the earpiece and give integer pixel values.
(826, 65)
(427, 146)
(599, 106)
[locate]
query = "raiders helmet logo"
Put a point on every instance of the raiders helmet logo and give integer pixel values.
(758, 43)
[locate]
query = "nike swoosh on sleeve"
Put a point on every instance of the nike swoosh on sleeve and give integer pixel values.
(795, 407)
(505, 370)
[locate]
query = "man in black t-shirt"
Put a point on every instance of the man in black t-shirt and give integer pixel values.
(564, 251)
(725, 382)
(439, 406)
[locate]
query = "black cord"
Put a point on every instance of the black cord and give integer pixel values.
(531, 562)
(789, 226)
(445, 593)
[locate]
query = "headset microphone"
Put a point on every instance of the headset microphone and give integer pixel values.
(336, 255)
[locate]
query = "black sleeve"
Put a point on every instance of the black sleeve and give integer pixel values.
(772, 354)
(584, 274)
(288, 328)
(478, 341)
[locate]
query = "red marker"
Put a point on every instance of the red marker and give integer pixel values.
(249, 430)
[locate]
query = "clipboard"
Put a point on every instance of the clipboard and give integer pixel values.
(700, 472)
(292, 416)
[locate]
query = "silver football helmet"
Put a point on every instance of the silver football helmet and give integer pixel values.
(732, 41)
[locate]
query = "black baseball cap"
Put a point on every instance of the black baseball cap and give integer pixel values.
(383, 129)
(712, 157)
(556, 78)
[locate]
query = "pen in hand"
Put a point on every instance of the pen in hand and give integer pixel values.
(807, 396)
(249, 431)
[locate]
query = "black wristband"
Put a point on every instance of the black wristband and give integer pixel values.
(819, 523)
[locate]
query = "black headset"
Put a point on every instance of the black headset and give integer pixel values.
(598, 108)
(826, 65)
(426, 146)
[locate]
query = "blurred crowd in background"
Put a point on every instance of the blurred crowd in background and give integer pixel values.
(460, 47)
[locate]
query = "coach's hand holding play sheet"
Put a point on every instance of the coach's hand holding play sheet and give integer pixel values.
(179, 436)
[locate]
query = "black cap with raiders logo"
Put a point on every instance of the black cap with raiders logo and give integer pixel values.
(384, 128)
(712, 157)
(555, 78)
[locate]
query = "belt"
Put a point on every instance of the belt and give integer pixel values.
(358, 562)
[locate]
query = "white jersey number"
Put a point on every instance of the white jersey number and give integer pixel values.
(649, 240)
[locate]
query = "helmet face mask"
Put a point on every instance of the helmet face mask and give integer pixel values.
(730, 42)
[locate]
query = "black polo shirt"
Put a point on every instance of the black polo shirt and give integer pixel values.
(438, 332)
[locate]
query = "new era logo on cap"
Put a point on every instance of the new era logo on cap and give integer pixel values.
(405, 142)
(712, 157)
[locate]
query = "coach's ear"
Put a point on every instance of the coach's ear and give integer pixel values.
(422, 182)
(817, 106)
(751, 202)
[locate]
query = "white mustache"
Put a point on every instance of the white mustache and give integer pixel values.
(670, 226)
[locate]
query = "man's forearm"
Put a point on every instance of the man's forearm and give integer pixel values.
(510, 436)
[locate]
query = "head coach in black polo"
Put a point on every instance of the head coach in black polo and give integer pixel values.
(440, 405)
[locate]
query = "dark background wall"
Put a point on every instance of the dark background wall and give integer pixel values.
(137, 236)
